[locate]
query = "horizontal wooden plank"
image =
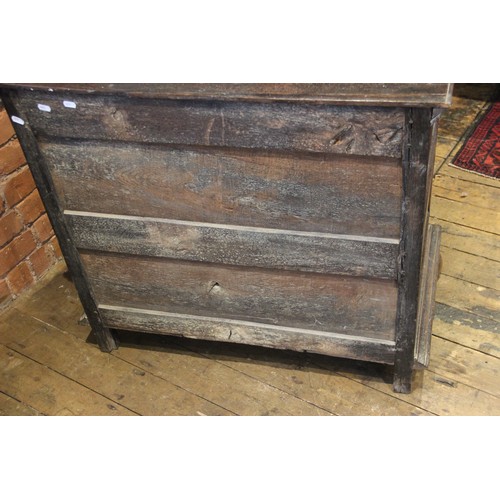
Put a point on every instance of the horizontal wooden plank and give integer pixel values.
(475, 299)
(294, 373)
(122, 384)
(388, 94)
(49, 392)
(277, 126)
(325, 193)
(226, 330)
(484, 219)
(471, 268)
(465, 365)
(468, 240)
(432, 392)
(467, 330)
(466, 175)
(235, 245)
(350, 305)
(468, 193)
(11, 407)
(164, 357)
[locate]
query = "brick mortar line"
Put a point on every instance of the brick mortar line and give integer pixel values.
(25, 227)
(5, 176)
(12, 138)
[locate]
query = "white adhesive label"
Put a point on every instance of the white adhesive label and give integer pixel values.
(16, 119)
(69, 104)
(44, 107)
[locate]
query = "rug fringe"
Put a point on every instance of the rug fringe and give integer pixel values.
(474, 172)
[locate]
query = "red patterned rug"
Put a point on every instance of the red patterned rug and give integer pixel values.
(481, 151)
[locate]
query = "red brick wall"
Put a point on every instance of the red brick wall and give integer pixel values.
(28, 247)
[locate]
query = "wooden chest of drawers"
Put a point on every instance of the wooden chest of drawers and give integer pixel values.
(287, 216)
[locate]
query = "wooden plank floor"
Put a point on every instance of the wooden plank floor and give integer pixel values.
(50, 365)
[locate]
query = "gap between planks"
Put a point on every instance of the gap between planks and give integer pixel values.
(24, 355)
(120, 357)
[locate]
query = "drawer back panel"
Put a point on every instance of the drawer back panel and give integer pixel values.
(319, 193)
(292, 210)
(328, 303)
(279, 126)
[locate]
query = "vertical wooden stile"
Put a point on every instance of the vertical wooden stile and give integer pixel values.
(47, 192)
(416, 151)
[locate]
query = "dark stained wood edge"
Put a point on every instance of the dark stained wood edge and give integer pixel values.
(235, 245)
(338, 194)
(430, 271)
(365, 94)
(436, 115)
(247, 125)
(416, 157)
(47, 192)
(227, 330)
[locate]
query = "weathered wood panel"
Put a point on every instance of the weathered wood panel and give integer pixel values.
(304, 300)
(47, 391)
(276, 126)
(471, 268)
(121, 384)
(469, 297)
(430, 274)
(11, 407)
(340, 194)
(48, 194)
(416, 161)
(384, 94)
(225, 330)
(467, 240)
(235, 245)
(484, 219)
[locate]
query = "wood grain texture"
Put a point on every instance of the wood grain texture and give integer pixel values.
(427, 294)
(479, 300)
(467, 330)
(465, 175)
(49, 392)
(468, 193)
(235, 245)
(324, 193)
(484, 219)
(275, 126)
(129, 387)
(416, 160)
(349, 305)
(468, 240)
(299, 375)
(164, 357)
(471, 268)
(45, 187)
(467, 366)
(433, 392)
(11, 407)
(385, 94)
(207, 328)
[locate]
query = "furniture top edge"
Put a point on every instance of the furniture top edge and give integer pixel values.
(362, 94)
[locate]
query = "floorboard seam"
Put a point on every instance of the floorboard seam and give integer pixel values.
(22, 403)
(173, 383)
(393, 395)
(447, 375)
(468, 253)
(264, 382)
(67, 377)
(129, 363)
(471, 283)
